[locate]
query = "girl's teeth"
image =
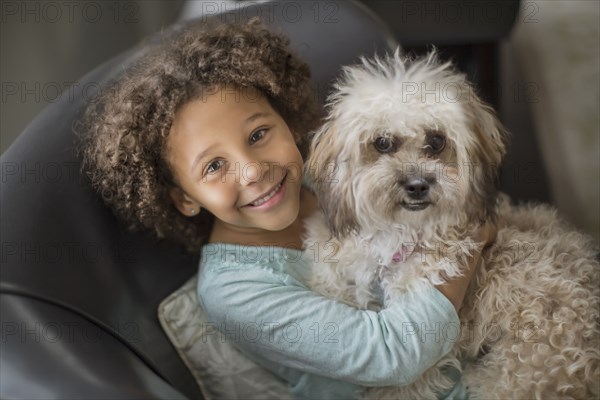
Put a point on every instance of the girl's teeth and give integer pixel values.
(267, 197)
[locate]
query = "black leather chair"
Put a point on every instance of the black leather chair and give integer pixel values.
(78, 294)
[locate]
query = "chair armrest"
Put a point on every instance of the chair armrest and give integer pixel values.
(50, 352)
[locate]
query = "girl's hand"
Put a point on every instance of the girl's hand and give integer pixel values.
(456, 289)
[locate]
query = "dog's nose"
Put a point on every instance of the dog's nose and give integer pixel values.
(417, 188)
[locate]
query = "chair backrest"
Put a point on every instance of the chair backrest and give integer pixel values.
(326, 35)
(62, 247)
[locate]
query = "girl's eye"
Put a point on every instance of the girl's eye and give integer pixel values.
(214, 166)
(384, 144)
(256, 136)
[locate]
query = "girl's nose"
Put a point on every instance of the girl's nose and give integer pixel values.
(251, 172)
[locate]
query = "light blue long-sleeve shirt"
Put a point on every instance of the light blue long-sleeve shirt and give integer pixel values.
(258, 297)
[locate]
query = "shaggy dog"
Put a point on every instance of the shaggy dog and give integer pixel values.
(405, 170)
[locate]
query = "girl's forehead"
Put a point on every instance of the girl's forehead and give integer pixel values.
(221, 107)
(228, 94)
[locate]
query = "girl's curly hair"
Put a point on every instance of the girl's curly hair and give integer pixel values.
(121, 139)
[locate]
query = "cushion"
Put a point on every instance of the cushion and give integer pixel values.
(220, 370)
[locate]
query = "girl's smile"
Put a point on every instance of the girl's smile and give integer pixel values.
(270, 199)
(233, 155)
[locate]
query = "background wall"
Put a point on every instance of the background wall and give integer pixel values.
(46, 46)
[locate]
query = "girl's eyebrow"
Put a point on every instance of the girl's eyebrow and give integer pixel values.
(256, 116)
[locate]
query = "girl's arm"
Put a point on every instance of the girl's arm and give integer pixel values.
(272, 315)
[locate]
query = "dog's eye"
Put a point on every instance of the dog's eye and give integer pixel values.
(384, 144)
(436, 142)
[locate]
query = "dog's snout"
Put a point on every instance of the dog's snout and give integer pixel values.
(417, 188)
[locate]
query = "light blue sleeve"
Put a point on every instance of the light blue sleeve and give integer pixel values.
(273, 316)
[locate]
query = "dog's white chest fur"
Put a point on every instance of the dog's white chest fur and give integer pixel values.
(358, 270)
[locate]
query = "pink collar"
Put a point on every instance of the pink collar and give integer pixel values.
(405, 251)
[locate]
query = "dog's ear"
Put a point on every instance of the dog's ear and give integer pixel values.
(485, 153)
(490, 134)
(328, 173)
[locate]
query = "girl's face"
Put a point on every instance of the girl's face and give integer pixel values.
(235, 156)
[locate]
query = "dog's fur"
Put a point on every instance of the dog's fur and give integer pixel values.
(530, 319)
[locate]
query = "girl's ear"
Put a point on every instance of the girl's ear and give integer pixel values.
(183, 202)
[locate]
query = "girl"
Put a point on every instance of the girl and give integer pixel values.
(202, 142)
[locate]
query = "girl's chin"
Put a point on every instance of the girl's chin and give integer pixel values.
(280, 224)
(284, 220)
